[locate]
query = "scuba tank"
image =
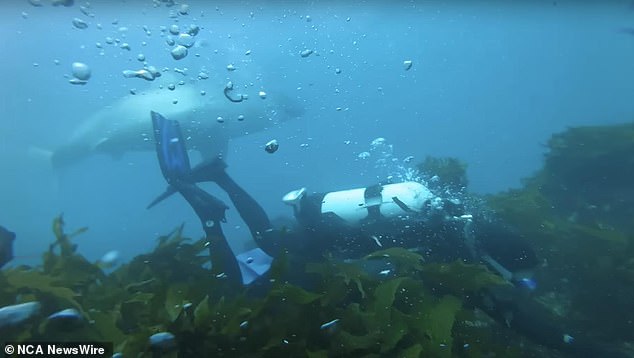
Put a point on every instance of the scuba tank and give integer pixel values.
(354, 207)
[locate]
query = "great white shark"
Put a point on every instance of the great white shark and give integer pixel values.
(208, 122)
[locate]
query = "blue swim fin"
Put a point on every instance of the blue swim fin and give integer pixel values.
(166, 194)
(171, 152)
(253, 264)
(170, 148)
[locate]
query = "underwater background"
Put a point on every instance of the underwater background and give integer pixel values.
(495, 84)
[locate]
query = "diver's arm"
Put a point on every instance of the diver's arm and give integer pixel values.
(511, 307)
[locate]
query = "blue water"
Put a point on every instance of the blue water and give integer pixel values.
(490, 82)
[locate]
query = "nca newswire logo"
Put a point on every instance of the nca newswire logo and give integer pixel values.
(61, 349)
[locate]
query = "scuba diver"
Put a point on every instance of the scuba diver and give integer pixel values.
(359, 221)
(6, 246)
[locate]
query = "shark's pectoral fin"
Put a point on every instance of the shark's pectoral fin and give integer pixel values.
(105, 146)
(101, 145)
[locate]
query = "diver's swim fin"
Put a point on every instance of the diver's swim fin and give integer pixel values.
(253, 264)
(171, 152)
(166, 194)
(170, 148)
(208, 170)
(173, 158)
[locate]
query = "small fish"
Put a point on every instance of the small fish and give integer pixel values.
(329, 324)
(529, 283)
(162, 341)
(65, 320)
(16, 314)
(376, 240)
(109, 259)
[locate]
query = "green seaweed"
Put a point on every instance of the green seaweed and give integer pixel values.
(62, 239)
(461, 278)
(376, 317)
(45, 288)
(398, 313)
(202, 314)
(440, 320)
(339, 275)
(398, 316)
(413, 351)
(578, 211)
(406, 262)
(176, 296)
(294, 294)
(450, 171)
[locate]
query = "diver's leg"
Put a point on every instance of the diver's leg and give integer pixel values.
(211, 212)
(250, 211)
(247, 267)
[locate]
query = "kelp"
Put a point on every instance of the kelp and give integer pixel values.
(399, 316)
(461, 278)
(474, 337)
(406, 262)
(578, 211)
(341, 278)
(417, 309)
(41, 286)
(170, 290)
(450, 171)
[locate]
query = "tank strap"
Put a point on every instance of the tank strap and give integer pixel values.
(373, 198)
